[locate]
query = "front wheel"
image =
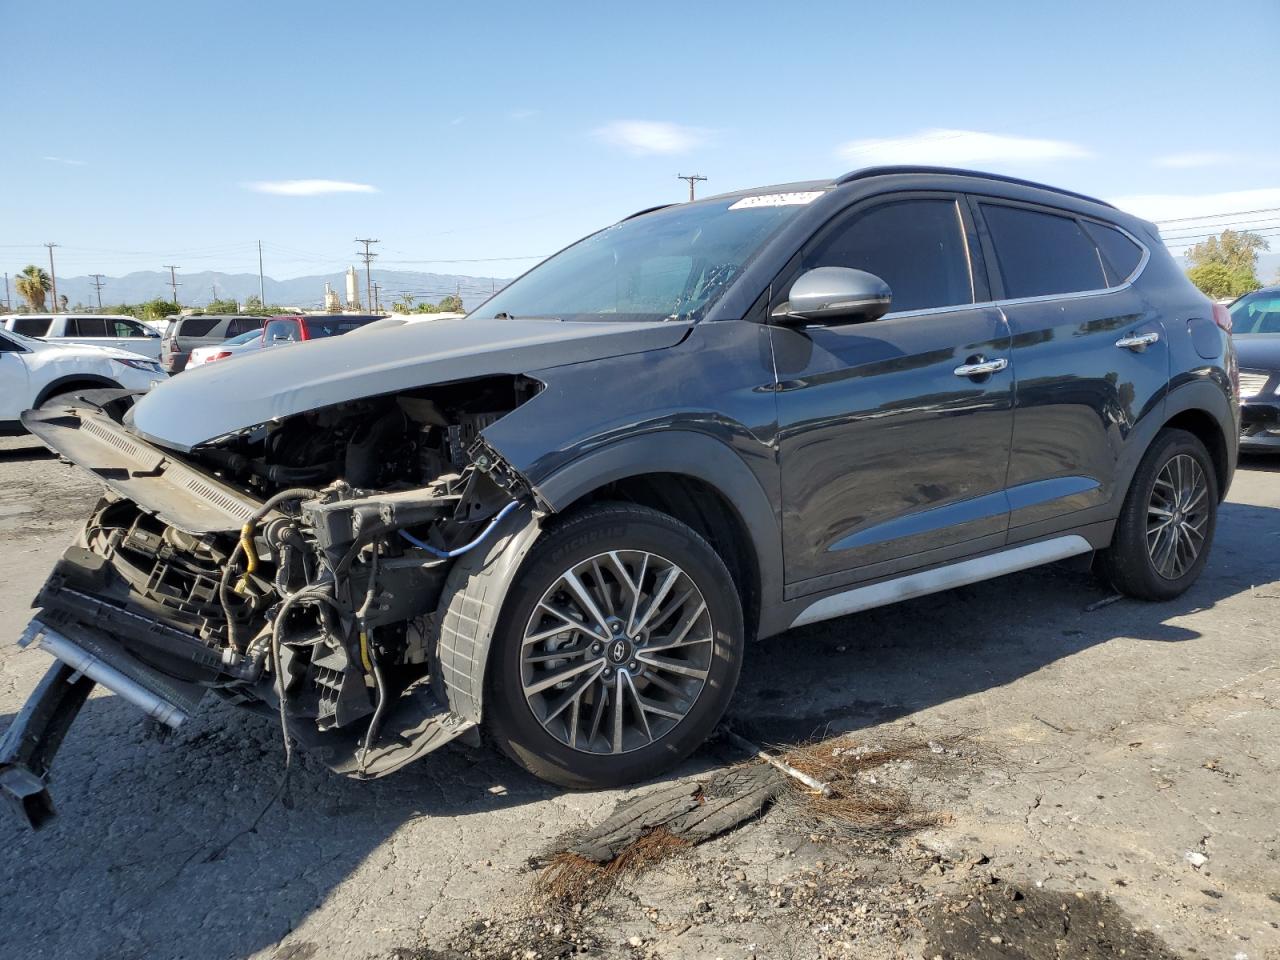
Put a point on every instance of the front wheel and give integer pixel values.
(1166, 525)
(617, 651)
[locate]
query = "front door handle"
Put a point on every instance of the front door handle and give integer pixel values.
(1138, 341)
(981, 368)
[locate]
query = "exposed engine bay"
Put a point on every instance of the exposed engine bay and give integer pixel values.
(305, 582)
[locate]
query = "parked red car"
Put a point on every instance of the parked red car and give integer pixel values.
(294, 328)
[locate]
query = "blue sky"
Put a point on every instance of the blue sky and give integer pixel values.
(143, 134)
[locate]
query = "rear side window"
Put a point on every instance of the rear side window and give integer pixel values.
(1042, 254)
(197, 326)
(335, 327)
(32, 326)
(123, 328)
(1120, 255)
(87, 327)
(917, 247)
(243, 325)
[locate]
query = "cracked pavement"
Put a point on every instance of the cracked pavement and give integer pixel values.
(1121, 739)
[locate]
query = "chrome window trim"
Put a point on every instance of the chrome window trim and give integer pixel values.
(1074, 295)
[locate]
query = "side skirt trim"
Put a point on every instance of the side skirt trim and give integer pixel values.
(943, 578)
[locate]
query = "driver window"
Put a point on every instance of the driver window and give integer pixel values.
(915, 246)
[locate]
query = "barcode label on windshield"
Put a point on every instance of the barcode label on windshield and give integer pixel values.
(776, 200)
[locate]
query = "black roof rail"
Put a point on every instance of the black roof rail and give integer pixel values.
(890, 170)
(641, 213)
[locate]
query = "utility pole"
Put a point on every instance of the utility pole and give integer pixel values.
(97, 285)
(262, 297)
(375, 305)
(173, 282)
(53, 276)
(368, 259)
(691, 179)
(8, 304)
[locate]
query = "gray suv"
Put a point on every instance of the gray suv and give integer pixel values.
(559, 519)
(184, 334)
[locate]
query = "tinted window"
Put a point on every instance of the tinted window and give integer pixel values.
(1120, 255)
(1041, 254)
(31, 326)
(123, 328)
(1256, 313)
(197, 326)
(915, 246)
(334, 327)
(87, 327)
(7, 345)
(282, 330)
(244, 325)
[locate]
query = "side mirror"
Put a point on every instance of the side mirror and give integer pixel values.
(829, 293)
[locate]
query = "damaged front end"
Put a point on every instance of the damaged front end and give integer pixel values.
(301, 568)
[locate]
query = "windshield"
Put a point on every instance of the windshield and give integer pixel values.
(243, 338)
(1256, 313)
(672, 264)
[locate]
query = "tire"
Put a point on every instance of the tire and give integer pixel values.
(1129, 562)
(600, 546)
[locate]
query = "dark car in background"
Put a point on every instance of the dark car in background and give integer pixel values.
(297, 327)
(184, 334)
(1255, 320)
(561, 517)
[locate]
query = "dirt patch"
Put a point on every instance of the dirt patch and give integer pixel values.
(999, 921)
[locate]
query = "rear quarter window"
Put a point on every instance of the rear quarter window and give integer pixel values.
(1042, 254)
(32, 326)
(1120, 255)
(197, 326)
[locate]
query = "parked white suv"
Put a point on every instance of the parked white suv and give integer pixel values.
(32, 371)
(93, 330)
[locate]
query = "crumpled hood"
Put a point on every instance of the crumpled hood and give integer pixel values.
(220, 398)
(1258, 351)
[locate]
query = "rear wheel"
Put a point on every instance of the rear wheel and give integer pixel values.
(618, 649)
(1165, 529)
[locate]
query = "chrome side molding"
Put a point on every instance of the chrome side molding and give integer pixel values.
(986, 567)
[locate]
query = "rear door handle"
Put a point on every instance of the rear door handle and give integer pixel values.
(982, 368)
(1138, 341)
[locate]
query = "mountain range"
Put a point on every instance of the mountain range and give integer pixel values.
(197, 289)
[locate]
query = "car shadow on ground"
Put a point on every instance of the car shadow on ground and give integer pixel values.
(139, 861)
(12, 454)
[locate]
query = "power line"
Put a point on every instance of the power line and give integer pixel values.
(53, 276)
(97, 286)
(1215, 216)
(367, 256)
(173, 281)
(691, 180)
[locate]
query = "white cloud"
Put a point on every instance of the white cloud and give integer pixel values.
(524, 114)
(308, 188)
(1186, 161)
(651, 136)
(950, 148)
(69, 163)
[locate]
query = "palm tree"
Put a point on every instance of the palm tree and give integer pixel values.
(32, 284)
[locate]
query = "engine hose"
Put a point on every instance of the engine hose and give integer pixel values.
(459, 551)
(245, 546)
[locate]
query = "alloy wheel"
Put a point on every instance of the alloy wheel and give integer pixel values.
(1177, 515)
(616, 652)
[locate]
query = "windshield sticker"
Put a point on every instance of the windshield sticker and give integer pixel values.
(777, 200)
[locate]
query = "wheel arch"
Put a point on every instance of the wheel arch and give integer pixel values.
(1204, 411)
(74, 381)
(684, 474)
